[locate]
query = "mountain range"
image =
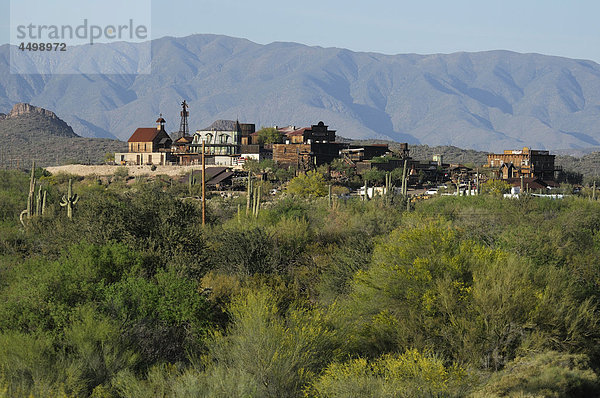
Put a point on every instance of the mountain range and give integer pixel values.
(486, 100)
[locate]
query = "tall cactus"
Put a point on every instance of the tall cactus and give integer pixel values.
(256, 202)
(388, 187)
(38, 204)
(69, 200)
(190, 182)
(258, 197)
(30, 198)
(44, 202)
(249, 194)
(404, 177)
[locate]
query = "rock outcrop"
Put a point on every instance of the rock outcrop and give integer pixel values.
(23, 108)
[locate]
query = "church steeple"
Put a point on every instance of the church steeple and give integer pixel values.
(160, 123)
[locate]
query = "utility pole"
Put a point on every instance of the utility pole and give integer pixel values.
(203, 187)
(404, 182)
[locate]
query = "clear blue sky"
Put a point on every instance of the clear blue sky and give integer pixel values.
(564, 28)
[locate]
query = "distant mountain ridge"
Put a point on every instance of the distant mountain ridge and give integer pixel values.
(487, 100)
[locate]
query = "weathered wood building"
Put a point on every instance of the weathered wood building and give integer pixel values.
(523, 162)
(307, 147)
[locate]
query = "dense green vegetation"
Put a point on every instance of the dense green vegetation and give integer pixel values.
(460, 296)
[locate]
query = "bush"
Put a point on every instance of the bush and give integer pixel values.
(121, 172)
(411, 374)
(549, 374)
(495, 187)
(307, 185)
(267, 355)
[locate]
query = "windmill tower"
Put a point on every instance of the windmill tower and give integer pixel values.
(184, 129)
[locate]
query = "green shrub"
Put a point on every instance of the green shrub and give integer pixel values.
(267, 355)
(411, 374)
(549, 374)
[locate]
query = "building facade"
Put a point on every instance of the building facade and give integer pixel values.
(148, 145)
(525, 162)
(307, 147)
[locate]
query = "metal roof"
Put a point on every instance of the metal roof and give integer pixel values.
(144, 134)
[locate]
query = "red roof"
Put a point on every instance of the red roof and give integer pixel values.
(144, 134)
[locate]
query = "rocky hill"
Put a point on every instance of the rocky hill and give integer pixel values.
(32, 133)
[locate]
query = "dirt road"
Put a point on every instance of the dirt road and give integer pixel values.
(105, 170)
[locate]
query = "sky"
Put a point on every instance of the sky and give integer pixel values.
(552, 27)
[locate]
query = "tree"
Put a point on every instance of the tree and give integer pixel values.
(570, 177)
(374, 175)
(309, 184)
(251, 166)
(341, 166)
(269, 135)
(495, 187)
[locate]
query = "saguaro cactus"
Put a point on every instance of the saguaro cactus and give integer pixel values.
(191, 182)
(69, 200)
(404, 178)
(30, 198)
(44, 203)
(249, 194)
(38, 205)
(258, 197)
(256, 202)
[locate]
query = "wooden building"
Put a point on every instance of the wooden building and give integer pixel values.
(148, 139)
(359, 153)
(148, 145)
(307, 147)
(306, 156)
(526, 162)
(317, 133)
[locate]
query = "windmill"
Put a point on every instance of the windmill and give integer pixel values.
(184, 129)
